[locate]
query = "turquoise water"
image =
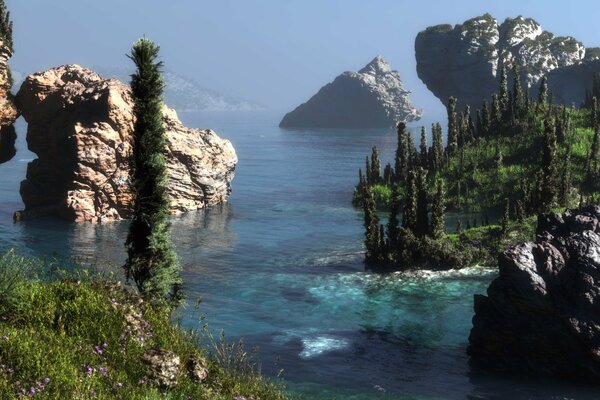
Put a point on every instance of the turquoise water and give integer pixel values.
(281, 266)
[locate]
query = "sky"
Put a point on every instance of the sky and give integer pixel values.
(276, 52)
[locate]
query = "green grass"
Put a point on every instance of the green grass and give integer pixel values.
(73, 338)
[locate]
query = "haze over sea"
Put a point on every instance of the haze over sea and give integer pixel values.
(281, 266)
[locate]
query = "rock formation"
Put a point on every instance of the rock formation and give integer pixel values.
(80, 126)
(542, 314)
(373, 97)
(8, 138)
(464, 61)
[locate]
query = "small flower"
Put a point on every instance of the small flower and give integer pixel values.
(46, 380)
(104, 345)
(4, 338)
(98, 350)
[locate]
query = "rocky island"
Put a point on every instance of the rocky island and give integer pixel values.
(373, 97)
(464, 61)
(80, 126)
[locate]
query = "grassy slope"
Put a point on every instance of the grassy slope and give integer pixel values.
(49, 333)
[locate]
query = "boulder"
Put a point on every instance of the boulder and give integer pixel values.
(80, 126)
(541, 316)
(464, 61)
(373, 97)
(162, 367)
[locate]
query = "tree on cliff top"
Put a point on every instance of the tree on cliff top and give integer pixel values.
(6, 26)
(152, 262)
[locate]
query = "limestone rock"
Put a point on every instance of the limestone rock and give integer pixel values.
(162, 366)
(197, 369)
(542, 314)
(464, 61)
(80, 126)
(8, 111)
(373, 97)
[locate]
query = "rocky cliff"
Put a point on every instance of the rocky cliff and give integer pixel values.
(373, 97)
(8, 111)
(80, 126)
(464, 61)
(542, 314)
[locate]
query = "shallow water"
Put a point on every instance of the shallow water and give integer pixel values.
(281, 266)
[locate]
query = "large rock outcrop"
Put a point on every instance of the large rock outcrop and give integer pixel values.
(542, 314)
(464, 61)
(8, 111)
(80, 126)
(373, 97)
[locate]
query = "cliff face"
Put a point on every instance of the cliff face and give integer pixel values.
(464, 61)
(80, 126)
(542, 314)
(8, 111)
(373, 97)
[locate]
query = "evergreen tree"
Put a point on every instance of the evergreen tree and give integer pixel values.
(485, 120)
(437, 148)
(496, 119)
(401, 158)
(151, 262)
(387, 174)
(520, 211)
(518, 100)
(6, 26)
(422, 212)
(543, 92)
(567, 181)
(423, 148)
(438, 212)
(479, 124)
(505, 218)
(412, 151)
(504, 96)
(368, 171)
(463, 129)
(409, 215)
(393, 228)
(472, 131)
(371, 226)
(375, 166)
(549, 182)
(452, 126)
(361, 179)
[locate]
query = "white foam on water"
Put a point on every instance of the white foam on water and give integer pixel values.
(318, 345)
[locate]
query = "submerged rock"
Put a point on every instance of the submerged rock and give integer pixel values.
(464, 61)
(542, 314)
(80, 126)
(373, 97)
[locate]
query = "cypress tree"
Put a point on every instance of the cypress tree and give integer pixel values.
(472, 130)
(409, 215)
(438, 211)
(412, 151)
(368, 171)
(422, 212)
(393, 226)
(361, 179)
(151, 262)
(452, 126)
(437, 148)
(423, 148)
(479, 124)
(387, 174)
(543, 91)
(485, 120)
(549, 179)
(518, 96)
(375, 166)
(504, 97)
(462, 130)
(496, 118)
(401, 158)
(371, 224)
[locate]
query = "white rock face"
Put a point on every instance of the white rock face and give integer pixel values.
(370, 98)
(464, 61)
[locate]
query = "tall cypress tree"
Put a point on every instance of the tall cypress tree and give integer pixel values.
(543, 91)
(438, 212)
(151, 262)
(422, 212)
(368, 171)
(548, 189)
(518, 100)
(452, 126)
(412, 151)
(437, 148)
(371, 223)
(393, 226)
(504, 97)
(423, 147)
(375, 166)
(401, 158)
(409, 215)
(496, 119)
(485, 120)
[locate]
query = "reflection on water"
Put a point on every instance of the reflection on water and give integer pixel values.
(281, 265)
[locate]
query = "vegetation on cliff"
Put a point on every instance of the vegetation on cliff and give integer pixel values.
(520, 154)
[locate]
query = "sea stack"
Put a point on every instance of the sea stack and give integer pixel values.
(80, 126)
(373, 97)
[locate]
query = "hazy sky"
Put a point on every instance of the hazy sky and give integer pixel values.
(278, 52)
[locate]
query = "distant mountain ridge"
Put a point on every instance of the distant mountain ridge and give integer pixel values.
(181, 93)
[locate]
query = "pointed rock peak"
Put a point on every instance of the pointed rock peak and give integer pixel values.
(377, 66)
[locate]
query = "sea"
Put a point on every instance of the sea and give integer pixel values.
(280, 266)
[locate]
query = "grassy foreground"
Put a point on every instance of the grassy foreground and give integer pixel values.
(78, 338)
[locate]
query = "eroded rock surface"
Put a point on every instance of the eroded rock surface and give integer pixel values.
(8, 111)
(373, 97)
(80, 126)
(542, 314)
(464, 61)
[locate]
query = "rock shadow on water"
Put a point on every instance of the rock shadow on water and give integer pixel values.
(8, 138)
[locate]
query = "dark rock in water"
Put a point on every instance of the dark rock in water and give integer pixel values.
(541, 316)
(8, 137)
(374, 97)
(464, 61)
